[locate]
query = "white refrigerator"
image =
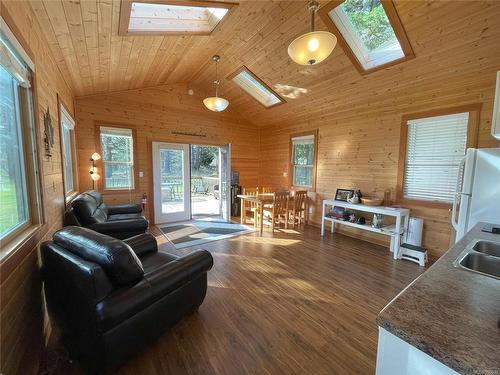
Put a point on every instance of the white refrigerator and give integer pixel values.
(477, 196)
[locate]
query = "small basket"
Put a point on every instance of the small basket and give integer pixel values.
(372, 201)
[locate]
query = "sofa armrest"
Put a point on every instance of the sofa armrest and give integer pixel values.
(142, 244)
(126, 302)
(173, 275)
(125, 209)
(110, 227)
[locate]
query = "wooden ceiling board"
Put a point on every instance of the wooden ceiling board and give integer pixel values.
(448, 38)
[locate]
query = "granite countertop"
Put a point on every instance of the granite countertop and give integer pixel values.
(451, 314)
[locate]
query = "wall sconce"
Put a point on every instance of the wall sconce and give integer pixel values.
(93, 170)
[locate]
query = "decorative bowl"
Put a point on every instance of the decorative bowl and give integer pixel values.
(372, 201)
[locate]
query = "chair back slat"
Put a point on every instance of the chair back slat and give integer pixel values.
(299, 200)
(250, 191)
(267, 189)
(280, 202)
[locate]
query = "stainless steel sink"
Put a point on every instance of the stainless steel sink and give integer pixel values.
(482, 257)
(487, 247)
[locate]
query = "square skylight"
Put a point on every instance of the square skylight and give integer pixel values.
(370, 30)
(255, 87)
(174, 17)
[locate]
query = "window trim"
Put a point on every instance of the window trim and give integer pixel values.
(244, 68)
(100, 164)
(15, 246)
(315, 134)
(68, 196)
(394, 20)
(126, 8)
(472, 139)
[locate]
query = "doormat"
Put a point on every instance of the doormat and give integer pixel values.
(197, 232)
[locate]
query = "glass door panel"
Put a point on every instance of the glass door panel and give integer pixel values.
(171, 181)
(225, 181)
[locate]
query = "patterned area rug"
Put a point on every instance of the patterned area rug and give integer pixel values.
(197, 232)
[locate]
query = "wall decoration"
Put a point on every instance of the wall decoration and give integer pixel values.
(49, 133)
(378, 221)
(343, 194)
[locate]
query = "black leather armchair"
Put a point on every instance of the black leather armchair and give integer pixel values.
(121, 221)
(109, 298)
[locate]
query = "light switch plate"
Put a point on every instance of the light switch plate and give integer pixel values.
(141, 174)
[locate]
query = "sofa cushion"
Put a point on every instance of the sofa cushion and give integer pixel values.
(100, 215)
(84, 207)
(116, 257)
(96, 195)
(123, 217)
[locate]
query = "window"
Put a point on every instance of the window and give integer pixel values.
(369, 31)
(171, 17)
(303, 163)
(117, 146)
(68, 148)
(255, 87)
(434, 149)
(19, 188)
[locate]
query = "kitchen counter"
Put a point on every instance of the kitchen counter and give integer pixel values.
(451, 314)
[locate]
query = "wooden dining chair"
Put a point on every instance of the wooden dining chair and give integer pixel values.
(266, 189)
(278, 212)
(297, 209)
(250, 207)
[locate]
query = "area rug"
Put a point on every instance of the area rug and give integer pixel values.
(197, 232)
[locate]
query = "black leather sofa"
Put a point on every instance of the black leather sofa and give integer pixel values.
(121, 221)
(110, 298)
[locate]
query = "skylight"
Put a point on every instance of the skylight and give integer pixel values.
(255, 87)
(370, 30)
(161, 18)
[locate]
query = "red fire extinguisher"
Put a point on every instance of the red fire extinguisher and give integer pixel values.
(144, 201)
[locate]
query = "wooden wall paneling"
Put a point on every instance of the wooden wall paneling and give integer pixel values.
(154, 113)
(22, 315)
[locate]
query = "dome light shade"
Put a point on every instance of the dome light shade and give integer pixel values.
(216, 104)
(312, 48)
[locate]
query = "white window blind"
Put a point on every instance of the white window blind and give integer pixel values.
(435, 147)
(68, 149)
(13, 58)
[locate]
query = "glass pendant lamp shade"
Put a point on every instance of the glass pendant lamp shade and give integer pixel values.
(313, 47)
(216, 104)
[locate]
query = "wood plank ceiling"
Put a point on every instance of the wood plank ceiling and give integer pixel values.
(84, 38)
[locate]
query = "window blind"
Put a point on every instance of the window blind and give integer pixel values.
(304, 140)
(435, 147)
(13, 58)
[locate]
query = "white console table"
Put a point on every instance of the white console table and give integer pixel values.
(400, 228)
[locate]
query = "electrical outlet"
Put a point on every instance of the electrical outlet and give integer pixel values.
(141, 174)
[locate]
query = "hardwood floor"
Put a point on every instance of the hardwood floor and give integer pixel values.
(292, 303)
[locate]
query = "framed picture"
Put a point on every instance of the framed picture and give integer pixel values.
(343, 194)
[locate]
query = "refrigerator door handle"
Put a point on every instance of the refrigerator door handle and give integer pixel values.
(458, 194)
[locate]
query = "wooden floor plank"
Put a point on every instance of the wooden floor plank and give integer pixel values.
(288, 303)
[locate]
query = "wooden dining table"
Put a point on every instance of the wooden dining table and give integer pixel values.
(260, 200)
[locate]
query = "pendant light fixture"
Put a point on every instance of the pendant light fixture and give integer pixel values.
(214, 103)
(313, 47)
